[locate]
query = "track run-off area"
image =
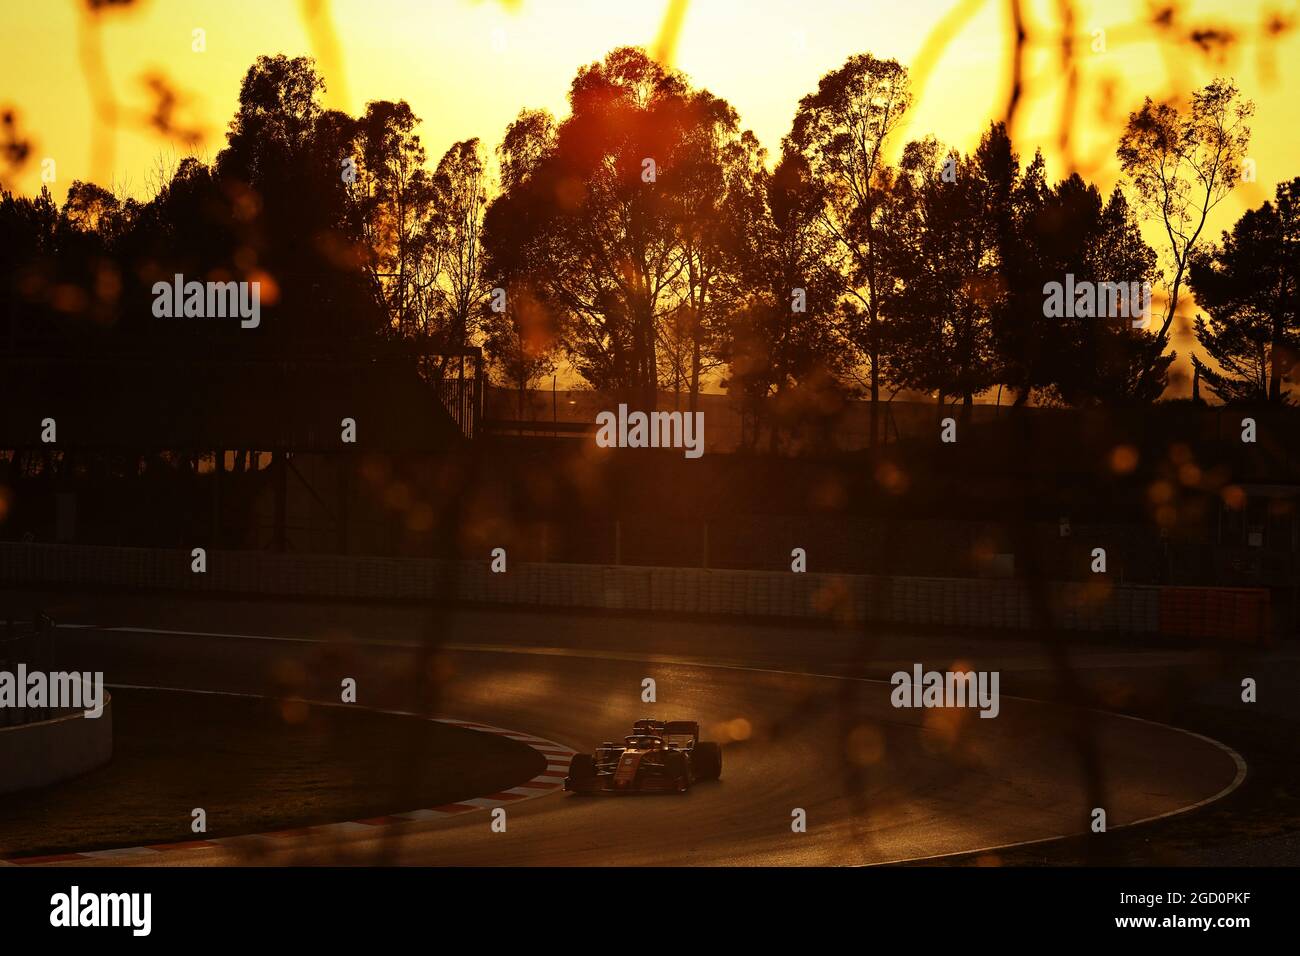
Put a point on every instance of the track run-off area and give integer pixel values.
(804, 715)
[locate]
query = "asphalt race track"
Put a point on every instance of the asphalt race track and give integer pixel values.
(804, 715)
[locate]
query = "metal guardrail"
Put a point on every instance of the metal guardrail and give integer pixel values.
(1236, 614)
(460, 389)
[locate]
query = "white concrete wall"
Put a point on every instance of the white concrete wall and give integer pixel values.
(37, 755)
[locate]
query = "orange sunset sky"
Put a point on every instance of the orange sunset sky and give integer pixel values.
(467, 67)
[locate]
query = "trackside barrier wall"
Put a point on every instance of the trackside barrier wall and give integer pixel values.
(39, 754)
(1239, 614)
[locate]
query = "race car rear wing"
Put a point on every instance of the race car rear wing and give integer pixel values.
(682, 734)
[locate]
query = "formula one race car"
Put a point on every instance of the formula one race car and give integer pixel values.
(658, 756)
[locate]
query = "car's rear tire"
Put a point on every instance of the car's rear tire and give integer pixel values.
(708, 761)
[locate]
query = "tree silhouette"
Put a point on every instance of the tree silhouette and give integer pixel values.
(942, 249)
(841, 130)
(771, 348)
(460, 197)
(646, 239)
(1098, 358)
(1182, 165)
(1022, 338)
(592, 216)
(283, 161)
(1249, 287)
(715, 165)
(393, 193)
(521, 343)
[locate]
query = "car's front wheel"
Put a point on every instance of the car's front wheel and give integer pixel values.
(679, 771)
(582, 769)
